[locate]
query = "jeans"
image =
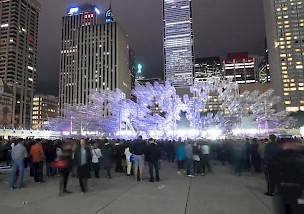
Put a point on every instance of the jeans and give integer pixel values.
(64, 177)
(38, 171)
(196, 167)
(96, 167)
(153, 164)
(205, 163)
(18, 165)
(50, 171)
(180, 164)
(189, 166)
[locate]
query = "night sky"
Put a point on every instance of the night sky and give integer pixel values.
(220, 26)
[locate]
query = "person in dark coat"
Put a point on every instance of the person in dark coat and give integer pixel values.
(256, 160)
(289, 188)
(248, 155)
(49, 154)
(83, 160)
(119, 156)
(107, 155)
(239, 157)
(272, 151)
(153, 156)
(65, 172)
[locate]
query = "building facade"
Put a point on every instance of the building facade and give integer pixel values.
(245, 69)
(285, 40)
(94, 56)
(206, 68)
(18, 54)
(132, 67)
(6, 105)
(44, 107)
(178, 42)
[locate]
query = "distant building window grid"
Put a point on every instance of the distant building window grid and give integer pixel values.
(291, 45)
(178, 42)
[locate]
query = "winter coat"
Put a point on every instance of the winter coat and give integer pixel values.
(181, 153)
(153, 153)
(107, 155)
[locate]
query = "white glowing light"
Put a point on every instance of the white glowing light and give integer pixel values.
(73, 10)
(97, 11)
(214, 133)
(5, 25)
(302, 131)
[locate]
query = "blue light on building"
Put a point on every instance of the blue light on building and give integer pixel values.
(84, 9)
(109, 15)
(73, 10)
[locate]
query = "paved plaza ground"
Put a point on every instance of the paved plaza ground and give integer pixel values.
(218, 192)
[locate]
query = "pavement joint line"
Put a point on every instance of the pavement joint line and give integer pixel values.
(115, 199)
(189, 188)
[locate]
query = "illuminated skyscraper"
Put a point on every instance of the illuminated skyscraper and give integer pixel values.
(284, 21)
(18, 54)
(94, 56)
(178, 42)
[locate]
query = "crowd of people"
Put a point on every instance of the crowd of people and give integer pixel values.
(278, 159)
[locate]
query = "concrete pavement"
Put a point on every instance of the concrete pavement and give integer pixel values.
(218, 192)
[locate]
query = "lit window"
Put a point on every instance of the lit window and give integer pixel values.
(287, 102)
(292, 109)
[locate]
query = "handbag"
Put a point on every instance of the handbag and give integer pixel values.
(196, 158)
(60, 164)
(132, 158)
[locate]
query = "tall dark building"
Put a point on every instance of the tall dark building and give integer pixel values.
(18, 55)
(132, 67)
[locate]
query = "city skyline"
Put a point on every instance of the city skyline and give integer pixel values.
(210, 23)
